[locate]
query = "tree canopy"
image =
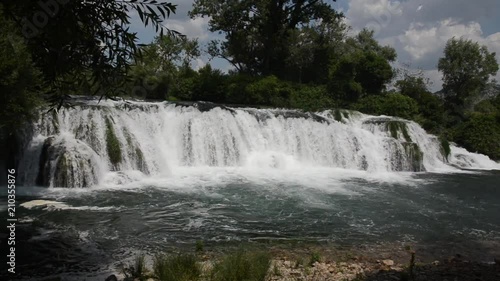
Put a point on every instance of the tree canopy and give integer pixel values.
(467, 67)
(82, 42)
(258, 32)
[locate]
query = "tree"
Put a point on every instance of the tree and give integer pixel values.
(19, 80)
(257, 33)
(312, 49)
(410, 82)
(467, 68)
(363, 69)
(158, 68)
(82, 42)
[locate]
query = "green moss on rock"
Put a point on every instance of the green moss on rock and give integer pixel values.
(337, 115)
(415, 156)
(112, 144)
(394, 127)
(445, 148)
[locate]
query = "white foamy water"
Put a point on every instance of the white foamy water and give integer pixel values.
(161, 141)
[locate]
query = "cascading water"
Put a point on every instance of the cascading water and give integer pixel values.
(91, 142)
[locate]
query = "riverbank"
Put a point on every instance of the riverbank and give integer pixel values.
(318, 263)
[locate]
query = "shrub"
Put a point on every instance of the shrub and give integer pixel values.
(210, 85)
(236, 89)
(480, 133)
(176, 268)
(314, 258)
(242, 265)
(269, 91)
(199, 246)
(392, 104)
(311, 98)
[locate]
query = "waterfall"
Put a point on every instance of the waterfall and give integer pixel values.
(81, 145)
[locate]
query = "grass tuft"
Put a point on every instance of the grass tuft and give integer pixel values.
(137, 270)
(199, 246)
(315, 257)
(176, 268)
(242, 265)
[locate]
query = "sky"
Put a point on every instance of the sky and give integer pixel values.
(417, 29)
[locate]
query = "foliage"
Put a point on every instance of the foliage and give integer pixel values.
(199, 246)
(185, 84)
(481, 133)
(242, 265)
(257, 33)
(311, 98)
(314, 258)
(236, 89)
(269, 91)
(467, 68)
(362, 70)
(155, 73)
(413, 86)
(20, 80)
(76, 43)
(392, 104)
(312, 49)
(210, 85)
(176, 268)
(431, 111)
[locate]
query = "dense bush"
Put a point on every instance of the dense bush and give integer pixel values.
(210, 85)
(391, 104)
(480, 133)
(236, 89)
(269, 91)
(184, 85)
(311, 98)
(431, 112)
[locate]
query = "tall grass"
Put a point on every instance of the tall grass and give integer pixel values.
(242, 265)
(176, 268)
(137, 270)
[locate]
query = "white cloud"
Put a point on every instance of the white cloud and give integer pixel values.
(372, 14)
(421, 40)
(198, 63)
(424, 40)
(435, 78)
(196, 28)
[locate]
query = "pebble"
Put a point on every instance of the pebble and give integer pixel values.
(388, 262)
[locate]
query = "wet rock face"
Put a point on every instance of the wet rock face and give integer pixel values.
(67, 163)
(405, 154)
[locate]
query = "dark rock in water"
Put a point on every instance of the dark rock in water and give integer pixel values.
(207, 106)
(43, 177)
(203, 106)
(112, 277)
